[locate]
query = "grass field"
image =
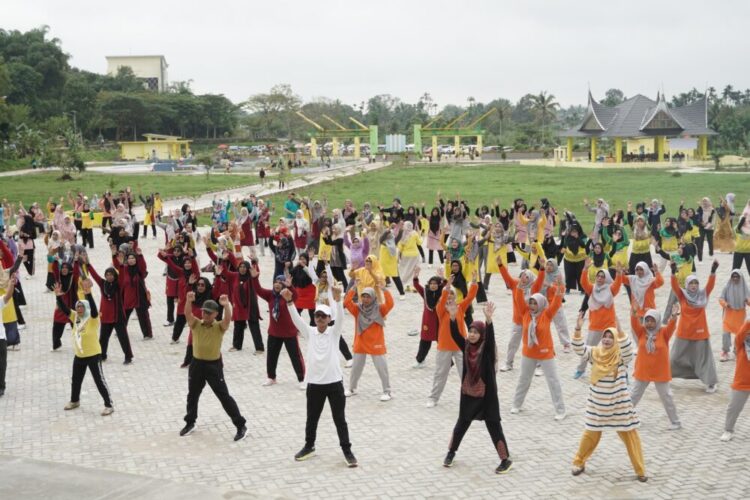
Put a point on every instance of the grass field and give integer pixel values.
(40, 186)
(564, 187)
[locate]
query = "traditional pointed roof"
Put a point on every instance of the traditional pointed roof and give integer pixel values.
(640, 116)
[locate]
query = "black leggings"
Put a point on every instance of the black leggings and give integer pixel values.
(87, 237)
(179, 325)
(144, 320)
(292, 348)
(738, 258)
(340, 275)
(316, 399)
(421, 252)
(106, 221)
(145, 230)
(94, 364)
(424, 349)
(344, 349)
(573, 272)
(170, 309)
(635, 258)
(440, 254)
(706, 235)
(57, 333)
(238, 335)
(399, 286)
(29, 263)
(494, 427)
(122, 337)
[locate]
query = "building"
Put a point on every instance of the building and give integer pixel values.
(652, 130)
(152, 70)
(155, 147)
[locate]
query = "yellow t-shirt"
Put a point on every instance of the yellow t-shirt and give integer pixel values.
(641, 246)
(207, 340)
(85, 337)
(157, 205)
(741, 244)
(410, 246)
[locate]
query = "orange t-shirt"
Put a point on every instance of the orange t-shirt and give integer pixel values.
(372, 340)
(742, 367)
(544, 348)
(733, 318)
(604, 317)
(445, 341)
(519, 300)
(693, 324)
(649, 302)
(653, 366)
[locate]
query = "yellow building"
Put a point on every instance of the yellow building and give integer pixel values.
(155, 147)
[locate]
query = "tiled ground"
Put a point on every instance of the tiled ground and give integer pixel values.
(400, 444)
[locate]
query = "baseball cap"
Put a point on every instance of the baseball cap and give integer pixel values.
(210, 306)
(324, 309)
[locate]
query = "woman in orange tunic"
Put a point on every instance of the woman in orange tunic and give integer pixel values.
(741, 384)
(733, 300)
(691, 355)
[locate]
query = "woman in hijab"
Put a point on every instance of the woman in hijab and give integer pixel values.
(136, 297)
(705, 215)
(742, 241)
(301, 232)
(428, 333)
(303, 277)
(245, 224)
(359, 249)
(691, 355)
(551, 276)
(608, 406)
(724, 236)
(66, 282)
(574, 255)
(408, 249)
(262, 226)
(434, 239)
(478, 387)
(389, 258)
(641, 248)
(111, 313)
(741, 382)
(497, 252)
(84, 319)
(652, 361)
(538, 348)
(643, 285)
(244, 298)
(734, 298)
(522, 289)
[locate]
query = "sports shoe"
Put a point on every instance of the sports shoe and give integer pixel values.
(577, 471)
(727, 436)
(349, 393)
(302, 386)
(515, 411)
(71, 405)
(173, 342)
(538, 371)
(561, 416)
(506, 368)
(168, 323)
(711, 388)
(349, 363)
(385, 397)
(188, 429)
(724, 356)
(241, 433)
(504, 466)
(675, 426)
(578, 374)
(22, 327)
(128, 361)
(269, 381)
(430, 403)
(566, 348)
(304, 453)
(259, 352)
(351, 460)
(148, 337)
(448, 461)
(233, 349)
(184, 365)
(418, 365)
(108, 410)
(643, 479)
(413, 333)
(402, 297)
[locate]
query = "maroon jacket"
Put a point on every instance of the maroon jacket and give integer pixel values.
(283, 326)
(133, 286)
(110, 305)
(183, 287)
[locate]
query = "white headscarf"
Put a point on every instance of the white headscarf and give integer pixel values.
(79, 324)
(651, 334)
(541, 302)
(736, 294)
(639, 285)
(301, 222)
(550, 278)
(530, 282)
(699, 298)
(601, 295)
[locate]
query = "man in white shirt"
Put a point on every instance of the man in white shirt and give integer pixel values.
(323, 372)
(3, 341)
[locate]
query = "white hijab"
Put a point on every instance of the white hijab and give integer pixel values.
(699, 298)
(736, 294)
(639, 285)
(601, 295)
(541, 302)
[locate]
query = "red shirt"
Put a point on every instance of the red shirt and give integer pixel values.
(283, 326)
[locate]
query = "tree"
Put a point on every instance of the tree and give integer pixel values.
(276, 108)
(545, 107)
(613, 97)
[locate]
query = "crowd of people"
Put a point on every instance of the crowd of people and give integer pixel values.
(352, 260)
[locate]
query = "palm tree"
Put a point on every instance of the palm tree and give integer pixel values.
(471, 101)
(545, 106)
(727, 93)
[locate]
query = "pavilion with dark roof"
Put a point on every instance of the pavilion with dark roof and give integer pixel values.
(645, 125)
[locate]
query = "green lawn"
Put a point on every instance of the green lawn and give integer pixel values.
(40, 186)
(564, 187)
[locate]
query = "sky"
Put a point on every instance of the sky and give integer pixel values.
(353, 50)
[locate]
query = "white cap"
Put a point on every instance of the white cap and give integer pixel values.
(324, 309)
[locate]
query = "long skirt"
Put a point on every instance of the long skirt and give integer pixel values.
(693, 359)
(406, 266)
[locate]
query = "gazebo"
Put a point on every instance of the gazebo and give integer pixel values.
(648, 127)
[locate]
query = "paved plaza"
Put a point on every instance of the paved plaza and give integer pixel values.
(400, 444)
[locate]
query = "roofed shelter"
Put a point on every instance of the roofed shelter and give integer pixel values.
(156, 146)
(645, 125)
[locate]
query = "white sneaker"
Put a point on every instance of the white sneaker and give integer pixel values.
(538, 371)
(675, 426)
(167, 323)
(418, 365)
(385, 397)
(430, 403)
(349, 393)
(727, 436)
(174, 342)
(515, 411)
(108, 410)
(349, 363)
(566, 348)
(22, 327)
(506, 368)
(561, 416)
(302, 386)
(711, 389)
(402, 297)
(269, 381)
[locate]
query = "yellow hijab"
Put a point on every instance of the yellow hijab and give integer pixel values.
(605, 361)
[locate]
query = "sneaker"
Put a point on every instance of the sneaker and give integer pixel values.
(128, 361)
(241, 433)
(711, 388)
(538, 371)
(304, 453)
(504, 466)
(173, 342)
(675, 426)
(71, 405)
(22, 327)
(351, 460)
(577, 471)
(168, 323)
(430, 403)
(402, 297)
(724, 356)
(349, 393)
(515, 411)
(149, 337)
(269, 381)
(302, 386)
(188, 429)
(643, 479)
(55, 349)
(561, 416)
(108, 410)
(727, 436)
(578, 374)
(448, 461)
(349, 363)
(566, 348)
(385, 397)
(506, 368)
(418, 365)
(233, 349)
(259, 352)
(184, 365)
(413, 333)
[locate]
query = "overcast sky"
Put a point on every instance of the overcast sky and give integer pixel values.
(353, 50)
